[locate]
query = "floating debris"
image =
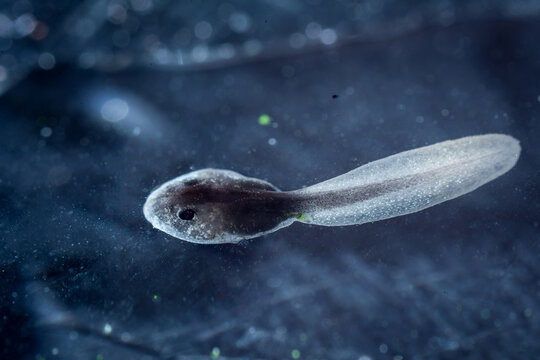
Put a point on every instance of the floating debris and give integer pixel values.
(265, 119)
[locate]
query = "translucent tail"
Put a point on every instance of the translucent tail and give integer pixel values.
(409, 181)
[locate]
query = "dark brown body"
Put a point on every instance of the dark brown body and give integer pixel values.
(244, 211)
(224, 205)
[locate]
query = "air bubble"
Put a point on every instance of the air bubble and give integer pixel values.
(46, 61)
(114, 110)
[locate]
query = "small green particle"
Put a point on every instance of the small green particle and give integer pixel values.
(264, 119)
(215, 353)
(99, 357)
(295, 354)
(39, 357)
(155, 298)
(527, 312)
(299, 216)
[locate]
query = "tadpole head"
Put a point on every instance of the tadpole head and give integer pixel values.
(180, 208)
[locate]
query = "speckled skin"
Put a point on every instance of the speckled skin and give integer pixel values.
(229, 207)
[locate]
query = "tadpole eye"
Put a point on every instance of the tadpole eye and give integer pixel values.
(186, 214)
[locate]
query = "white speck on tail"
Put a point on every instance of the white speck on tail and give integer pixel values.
(409, 181)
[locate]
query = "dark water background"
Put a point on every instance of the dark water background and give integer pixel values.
(104, 100)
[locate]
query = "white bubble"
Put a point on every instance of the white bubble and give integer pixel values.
(25, 24)
(3, 74)
(114, 110)
(6, 25)
(136, 131)
(87, 60)
(445, 112)
(203, 30)
(107, 329)
(252, 47)
(313, 30)
(538, 98)
(364, 357)
(125, 337)
(46, 61)
(272, 141)
(239, 22)
(383, 348)
(141, 5)
(54, 351)
(46, 132)
(199, 53)
(116, 13)
(297, 40)
(85, 28)
(226, 51)
(328, 36)
(161, 55)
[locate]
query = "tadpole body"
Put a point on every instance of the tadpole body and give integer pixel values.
(212, 206)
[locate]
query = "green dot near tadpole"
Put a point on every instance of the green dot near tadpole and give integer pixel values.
(215, 353)
(295, 354)
(297, 215)
(265, 119)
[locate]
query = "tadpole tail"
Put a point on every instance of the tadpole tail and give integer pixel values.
(408, 182)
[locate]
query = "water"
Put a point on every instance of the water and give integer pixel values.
(86, 137)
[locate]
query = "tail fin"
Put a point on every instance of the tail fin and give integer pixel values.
(409, 181)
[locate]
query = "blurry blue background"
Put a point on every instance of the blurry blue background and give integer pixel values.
(101, 101)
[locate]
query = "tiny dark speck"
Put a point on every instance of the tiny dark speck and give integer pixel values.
(335, 96)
